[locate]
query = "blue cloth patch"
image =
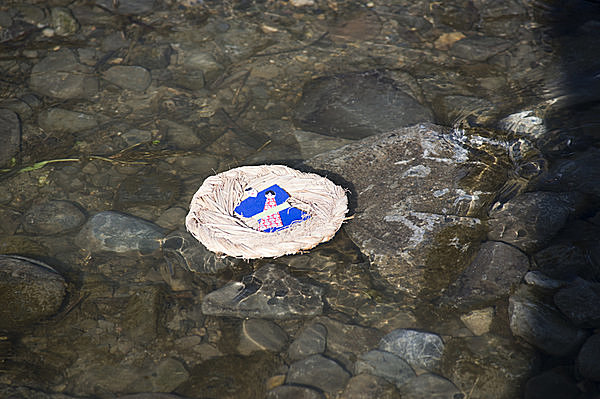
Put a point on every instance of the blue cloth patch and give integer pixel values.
(253, 205)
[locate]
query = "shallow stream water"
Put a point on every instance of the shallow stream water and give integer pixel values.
(129, 105)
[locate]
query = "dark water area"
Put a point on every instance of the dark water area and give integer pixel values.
(465, 132)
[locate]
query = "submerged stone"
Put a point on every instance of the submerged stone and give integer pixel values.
(496, 269)
(353, 106)
(422, 350)
(10, 135)
(53, 217)
(268, 293)
(30, 291)
(386, 365)
(60, 75)
(318, 371)
(119, 232)
(542, 325)
(418, 194)
(130, 77)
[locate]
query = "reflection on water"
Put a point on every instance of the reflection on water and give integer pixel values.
(128, 106)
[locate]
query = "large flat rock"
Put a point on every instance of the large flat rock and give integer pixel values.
(418, 194)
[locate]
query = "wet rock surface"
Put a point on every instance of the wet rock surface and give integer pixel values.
(120, 233)
(10, 134)
(268, 293)
(496, 269)
(53, 217)
(31, 291)
(356, 106)
(411, 207)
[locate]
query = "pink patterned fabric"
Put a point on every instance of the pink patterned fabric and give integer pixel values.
(270, 221)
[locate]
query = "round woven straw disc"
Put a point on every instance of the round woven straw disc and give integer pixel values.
(213, 221)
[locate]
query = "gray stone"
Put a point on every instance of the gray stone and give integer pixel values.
(181, 249)
(552, 384)
(496, 269)
(129, 77)
(479, 48)
(386, 365)
(181, 136)
(416, 212)
(587, 359)
(10, 135)
(157, 189)
(488, 367)
(60, 75)
(580, 302)
(479, 321)
(430, 386)
(128, 7)
(530, 220)
(30, 291)
(151, 395)
(580, 172)
(542, 325)
(422, 350)
(53, 217)
(293, 392)
(269, 293)
(259, 334)
(366, 386)
(62, 21)
(198, 59)
(354, 106)
(310, 341)
(538, 279)
(119, 232)
(63, 120)
(345, 342)
(318, 371)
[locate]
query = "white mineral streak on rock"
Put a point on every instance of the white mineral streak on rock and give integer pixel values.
(404, 161)
(417, 171)
(439, 193)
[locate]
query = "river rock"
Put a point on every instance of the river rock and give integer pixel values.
(63, 120)
(182, 250)
(502, 368)
(530, 220)
(10, 135)
(319, 372)
(580, 302)
(552, 384)
(30, 291)
(416, 210)
(422, 350)
(479, 48)
(128, 7)
(357, 105)
(386, 365)
(53, 217)
(495, 270)
(578, 173)
(62, 21)
(365, 386)
(345, 342)
(60, 75)
(430, 386)
(268, 293)
(129, 77)
(120, 233)
(293, 392)
(259, 334)
(542, 325)
(587, 359)
(310, 341)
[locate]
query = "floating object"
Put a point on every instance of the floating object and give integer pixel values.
(265, 211)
